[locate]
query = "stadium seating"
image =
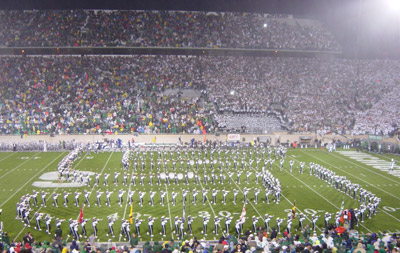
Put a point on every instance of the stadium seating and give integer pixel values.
(124, 94)
(96, 28)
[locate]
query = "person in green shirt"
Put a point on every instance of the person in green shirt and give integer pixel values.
(157, 248)
(147, 247)
(306, 233)
(134, 241)
(6, 238)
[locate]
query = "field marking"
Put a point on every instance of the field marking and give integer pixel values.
(288, 199)
(212, 209)
(386, 158)
(11, 170)
(353, 175)
(127, 198)
(4, 158)
(299, 211)
(40, 171)
(101, 172)
(348, 159)
(383, 210)
(166, 189)
(364, 182)
(48, 198)
(240, 189)
(320, 195)
(208, 201)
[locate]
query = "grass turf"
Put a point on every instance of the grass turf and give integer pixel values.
(20, 170)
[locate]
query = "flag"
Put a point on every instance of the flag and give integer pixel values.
(130, 215)
(184, 213)
(294, 210)
(243, 215)
(342, 205)
(154, 139)
(81, 215)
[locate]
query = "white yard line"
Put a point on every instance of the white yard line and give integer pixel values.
(327, 200)
(208, 201)
(365, 168)
(127, 199)
(27, 182)
(291, 202)
(11, 170)
(361, 180)
(389, 214)
(388, 193)
(166, 189)
(101, 172)
(240, 189)
(212, 209)
(48, 198)
(4, 158)
(384, 157)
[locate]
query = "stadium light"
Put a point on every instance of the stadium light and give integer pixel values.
(393, 5)
(265, 25)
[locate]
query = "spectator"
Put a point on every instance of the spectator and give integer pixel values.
(96, 28)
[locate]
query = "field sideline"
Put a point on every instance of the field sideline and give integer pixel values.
(19, 170)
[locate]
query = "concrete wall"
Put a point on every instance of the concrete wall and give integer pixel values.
(283, 137)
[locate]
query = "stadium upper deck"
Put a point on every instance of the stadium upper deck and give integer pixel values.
(95, 28)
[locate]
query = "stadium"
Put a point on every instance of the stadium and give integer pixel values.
(164, 127)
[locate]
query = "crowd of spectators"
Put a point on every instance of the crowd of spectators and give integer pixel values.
(303, 241)
(125, 94)
(101, 28)
(258, 123)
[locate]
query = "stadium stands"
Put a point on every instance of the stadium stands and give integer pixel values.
(98, 94)
(185, 94)
(95, 28)
(248, 123)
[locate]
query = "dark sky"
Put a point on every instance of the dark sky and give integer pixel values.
(361, 26)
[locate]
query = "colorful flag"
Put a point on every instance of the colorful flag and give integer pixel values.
(130, 215)
(81, 215)
(294, 210)
(243, 215)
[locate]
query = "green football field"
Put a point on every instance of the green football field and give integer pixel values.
(18, 171)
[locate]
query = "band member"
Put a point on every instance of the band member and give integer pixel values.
(150, 224)
(108, 195)
(228, 220)
(302, 217)
(87, 195)
(189, 225)
(217, 220)
(65, 197)
(55, 199)
(163, 226)
(110, 227)
(94, 225)
(205, 222)
(137, 226)
(38, 217)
